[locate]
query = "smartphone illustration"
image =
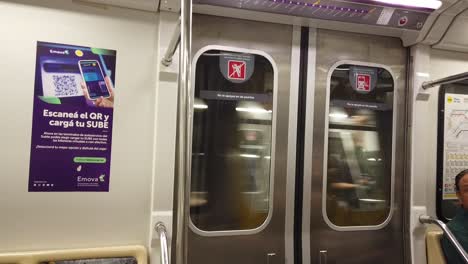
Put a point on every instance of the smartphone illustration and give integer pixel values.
(94, 79)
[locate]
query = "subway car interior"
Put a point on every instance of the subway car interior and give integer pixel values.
(246, 131)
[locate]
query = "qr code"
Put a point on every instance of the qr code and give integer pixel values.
(65, 85)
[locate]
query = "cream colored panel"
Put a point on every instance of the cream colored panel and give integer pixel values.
(147, 5)
(166, 115)
(456, 38)
(446, 63)
(138, 252)
(435, 255)
(37, 221)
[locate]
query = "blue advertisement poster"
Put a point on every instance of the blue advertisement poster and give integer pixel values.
(72, 119)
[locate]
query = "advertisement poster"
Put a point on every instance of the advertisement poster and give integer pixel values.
(72, 119)
(455, 141)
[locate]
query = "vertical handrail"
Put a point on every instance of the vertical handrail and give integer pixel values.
(182, 169)
(424, 219)
(161, 229)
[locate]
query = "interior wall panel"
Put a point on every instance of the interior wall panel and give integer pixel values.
(32, 221)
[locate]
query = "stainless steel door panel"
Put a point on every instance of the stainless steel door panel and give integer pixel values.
(353, 247)
(267, 245)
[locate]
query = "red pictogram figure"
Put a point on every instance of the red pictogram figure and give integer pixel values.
(363, 82)
(236, 70)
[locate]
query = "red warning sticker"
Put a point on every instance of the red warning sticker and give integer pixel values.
(363, 82)
(236, 70)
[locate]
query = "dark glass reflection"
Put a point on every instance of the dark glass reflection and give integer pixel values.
(231, 146)
(359, 163)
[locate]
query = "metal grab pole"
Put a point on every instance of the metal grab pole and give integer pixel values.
(183, 101)
(424, 219)
(446, 80)
(161, 229)
(173, 44)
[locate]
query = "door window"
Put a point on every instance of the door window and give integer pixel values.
(359, 149)
(231, 141)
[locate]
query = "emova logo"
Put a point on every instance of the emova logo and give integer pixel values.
(101, 178)
(61, 52)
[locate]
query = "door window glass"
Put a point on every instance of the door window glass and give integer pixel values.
(359, 154)
(231, 141)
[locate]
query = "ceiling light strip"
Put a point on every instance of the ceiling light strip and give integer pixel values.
(430, 4)
(319, 6)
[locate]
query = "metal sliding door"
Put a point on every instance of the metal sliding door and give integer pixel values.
(240, 78)
(354, 150)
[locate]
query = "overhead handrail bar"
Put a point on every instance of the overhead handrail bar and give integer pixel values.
(184, 100)
(424, 219)
(173, 44)
(162, 231)
(446, 80)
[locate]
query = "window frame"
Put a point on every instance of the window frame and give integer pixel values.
(269, 58)
(325, 152)
(441, 103)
